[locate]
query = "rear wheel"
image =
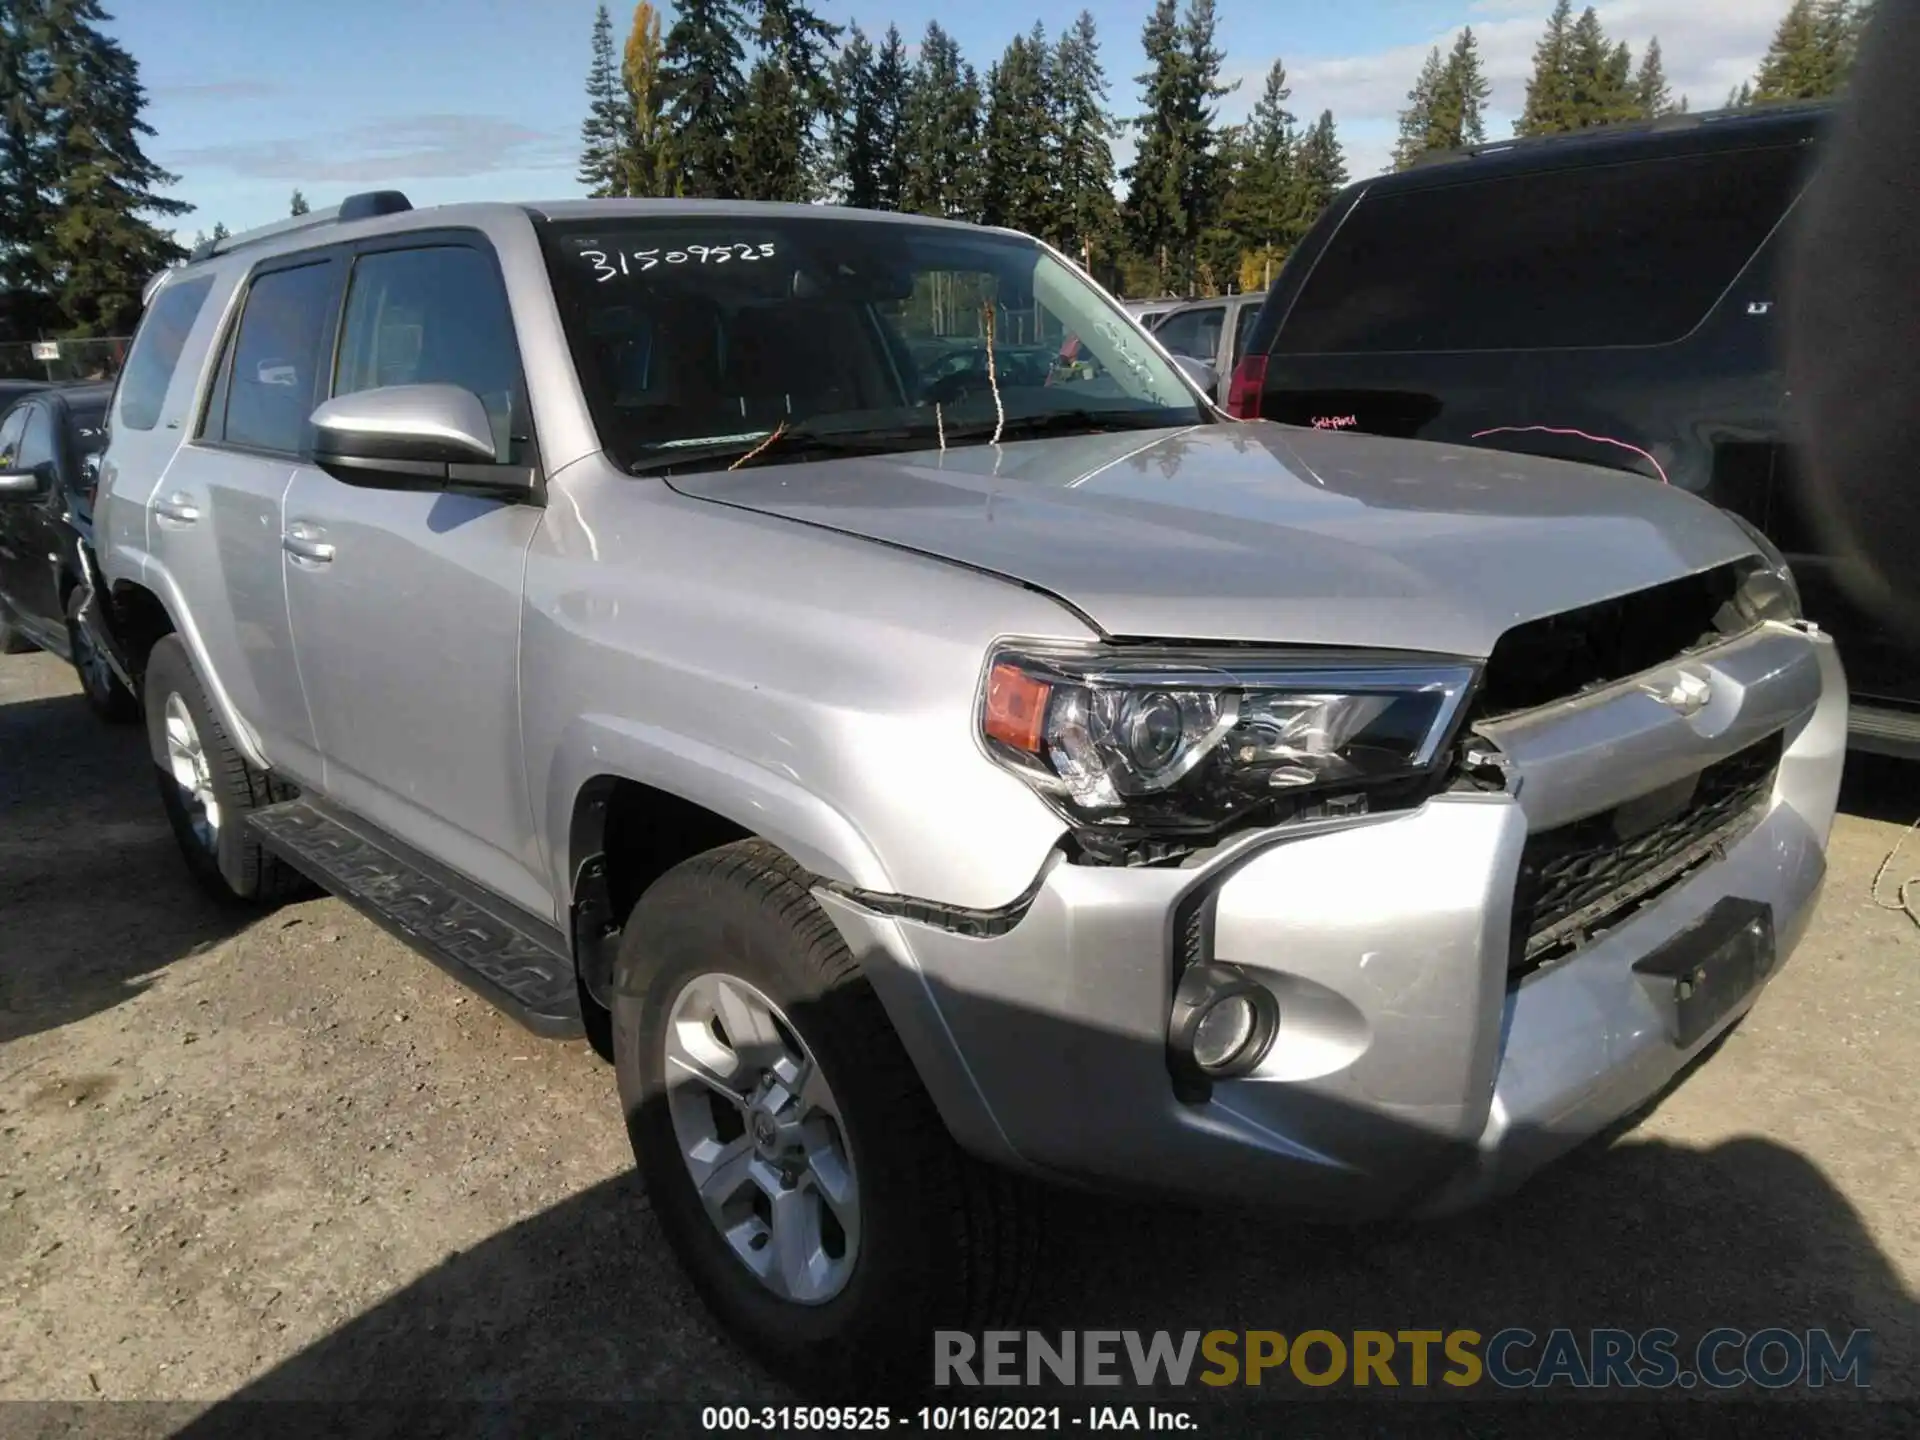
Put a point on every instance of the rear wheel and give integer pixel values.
(208, 787)
(107, 697)
(795, 1162)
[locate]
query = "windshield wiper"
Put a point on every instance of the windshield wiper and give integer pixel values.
(795, 442)
(1081, 420)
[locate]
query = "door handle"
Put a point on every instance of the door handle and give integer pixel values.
(179, 508)
(306, 548)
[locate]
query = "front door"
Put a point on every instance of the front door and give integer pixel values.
(406, 606)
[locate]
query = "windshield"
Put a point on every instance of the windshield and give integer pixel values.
(699, 337)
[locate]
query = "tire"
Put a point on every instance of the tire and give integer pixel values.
(223, 856)
(105, 695)
(943, 1242)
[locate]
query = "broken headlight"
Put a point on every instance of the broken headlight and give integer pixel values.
(1171, 742)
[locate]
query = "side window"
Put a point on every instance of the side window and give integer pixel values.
(279, 353)
(1194, 333)
(11, 429)
(36, 444)
(156, 350)
(437, 315)
(1584, 257)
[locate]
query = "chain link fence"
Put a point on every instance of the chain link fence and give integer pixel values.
(59, 361)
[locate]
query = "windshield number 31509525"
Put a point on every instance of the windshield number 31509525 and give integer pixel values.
(608, 265)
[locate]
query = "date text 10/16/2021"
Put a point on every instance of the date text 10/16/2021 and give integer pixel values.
(941, 1419)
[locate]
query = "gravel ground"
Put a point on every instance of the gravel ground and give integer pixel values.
(282, 1157)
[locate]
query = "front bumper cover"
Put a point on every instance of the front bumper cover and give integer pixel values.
(1410, 1072)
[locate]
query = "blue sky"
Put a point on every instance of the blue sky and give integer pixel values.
(482, 99)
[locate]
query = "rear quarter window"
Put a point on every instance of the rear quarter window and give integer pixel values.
(157, 347)
(1588, 256)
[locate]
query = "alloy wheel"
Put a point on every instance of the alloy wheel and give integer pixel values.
(762, 1138)
(187, 761)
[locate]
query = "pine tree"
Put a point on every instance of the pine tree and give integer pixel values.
(1550, 105)
(1601, 73)
(1460, 111)
(648, 168)
(856, 125)
(604, 133)
(1416, 121)
(298, 205)
(1320, 172)
(892, 81)
(1811, 52)
(701, 94)
(943, 132)
(776, 146)
(1088, 214)
(1741, 96)
(1446, 108)
(1018, 143)
(1260, 209)
(1651, 94)
(1177, 182)
(101, 250)
(25, 216)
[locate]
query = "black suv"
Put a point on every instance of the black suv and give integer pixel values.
(50, 444)
(1610, 296)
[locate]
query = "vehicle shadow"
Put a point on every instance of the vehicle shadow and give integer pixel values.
(91, 883)
(578, 1308)
(1880, 787)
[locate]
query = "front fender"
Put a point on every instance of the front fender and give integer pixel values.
(759, 800)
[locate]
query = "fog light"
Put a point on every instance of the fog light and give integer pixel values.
(1223, 1032)
(1222, 1024)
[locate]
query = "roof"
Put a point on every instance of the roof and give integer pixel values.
(386, 212)
(1671, 135)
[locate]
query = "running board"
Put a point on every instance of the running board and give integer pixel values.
(1884, 732)
(509, 957)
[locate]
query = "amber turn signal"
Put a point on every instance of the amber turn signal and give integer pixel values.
(1016, 708)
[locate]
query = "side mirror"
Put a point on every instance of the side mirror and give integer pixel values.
(1201, 372)
(415, 437)
(24, 487)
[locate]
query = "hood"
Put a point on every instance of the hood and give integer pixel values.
(1263, 532)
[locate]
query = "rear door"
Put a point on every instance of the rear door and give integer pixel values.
(217, 515)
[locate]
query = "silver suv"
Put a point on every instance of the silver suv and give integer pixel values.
(840, 664)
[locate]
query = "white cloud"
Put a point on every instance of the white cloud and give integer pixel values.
(1708, 47)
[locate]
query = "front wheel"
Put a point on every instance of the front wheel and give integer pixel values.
(797, 1165)
(106, 696)
(207, 786)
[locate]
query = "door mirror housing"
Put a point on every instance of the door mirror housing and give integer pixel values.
(26, 487)
(1201, 372)
(415, 437)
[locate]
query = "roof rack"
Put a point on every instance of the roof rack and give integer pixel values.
(363, 206)
(1691, 120)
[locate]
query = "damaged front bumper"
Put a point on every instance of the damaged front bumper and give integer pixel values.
(1426, 1055)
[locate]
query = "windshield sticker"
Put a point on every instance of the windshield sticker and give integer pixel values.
(608, 264)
